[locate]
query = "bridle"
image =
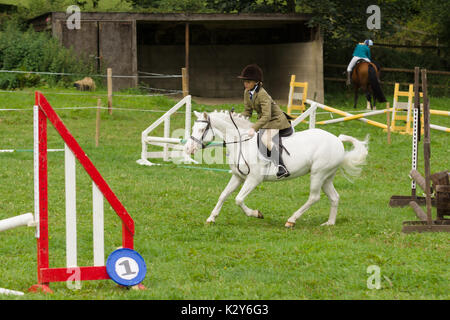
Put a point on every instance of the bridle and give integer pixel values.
(209, 127)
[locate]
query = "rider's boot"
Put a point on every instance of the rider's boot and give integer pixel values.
(348, 79)
(282, 171)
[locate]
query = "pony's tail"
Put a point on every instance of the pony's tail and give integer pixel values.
(376, 88)
(355, 158)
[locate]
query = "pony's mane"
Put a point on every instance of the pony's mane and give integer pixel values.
(241, 121)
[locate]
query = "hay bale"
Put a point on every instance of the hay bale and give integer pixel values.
(85, 84)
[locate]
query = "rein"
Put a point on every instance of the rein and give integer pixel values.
(240, 147)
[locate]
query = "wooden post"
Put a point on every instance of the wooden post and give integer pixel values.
(388, 123)
(186, 47)
(134, 53)
(426, 144)
(97, 122)
(184, 82)
(110, 90)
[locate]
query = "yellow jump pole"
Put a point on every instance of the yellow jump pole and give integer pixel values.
(440, 112)
(346, 114)
(353, 117)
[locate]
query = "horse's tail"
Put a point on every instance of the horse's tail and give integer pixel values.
(355, 158)
(376, 87)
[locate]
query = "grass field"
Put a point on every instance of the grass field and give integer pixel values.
(238, 257)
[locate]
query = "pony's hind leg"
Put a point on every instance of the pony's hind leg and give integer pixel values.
(314, 196)
(369, 101)
(234, 182)
(333, 195)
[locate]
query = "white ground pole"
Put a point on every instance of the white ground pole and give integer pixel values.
(167, 142)
(19, 150)
(11, 292)
(26, 219)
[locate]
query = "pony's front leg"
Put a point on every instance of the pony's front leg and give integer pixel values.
(249, 184)
(356, 98)
(234, 182)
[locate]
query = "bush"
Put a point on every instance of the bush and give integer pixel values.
(36, 51)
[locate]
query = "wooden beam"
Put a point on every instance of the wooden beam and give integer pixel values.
(418, 210)
(418, 178)
(186, 47)
(134, 54)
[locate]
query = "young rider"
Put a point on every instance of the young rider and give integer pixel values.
(272, 121)
(362, 51)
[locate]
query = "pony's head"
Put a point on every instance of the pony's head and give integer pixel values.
(202, 133)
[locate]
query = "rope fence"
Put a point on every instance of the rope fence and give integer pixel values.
(169, 92)
(147, 75)
(109, 77)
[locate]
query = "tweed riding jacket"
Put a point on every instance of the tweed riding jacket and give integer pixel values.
(270, 116)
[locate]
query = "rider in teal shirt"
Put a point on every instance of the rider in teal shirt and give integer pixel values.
(362, 51)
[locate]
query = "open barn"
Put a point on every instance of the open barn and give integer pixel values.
(213, 47)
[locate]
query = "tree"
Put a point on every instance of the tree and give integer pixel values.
(145, 4)
(346, 19)
(248, 6)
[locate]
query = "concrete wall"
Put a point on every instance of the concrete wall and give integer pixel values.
(214, 68)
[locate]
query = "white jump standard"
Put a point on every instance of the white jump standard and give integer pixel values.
(172, 147)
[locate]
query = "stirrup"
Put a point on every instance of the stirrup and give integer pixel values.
(282, 172)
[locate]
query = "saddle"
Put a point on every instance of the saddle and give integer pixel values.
(357, 62)
(266, 153)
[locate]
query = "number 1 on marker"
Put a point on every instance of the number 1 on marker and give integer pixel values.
(126, 265)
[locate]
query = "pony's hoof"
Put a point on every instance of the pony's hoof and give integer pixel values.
(260, 215)
(327, 224)
(210, 222)
(289, 224)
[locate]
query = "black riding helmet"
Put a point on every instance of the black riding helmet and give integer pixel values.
(252, 72)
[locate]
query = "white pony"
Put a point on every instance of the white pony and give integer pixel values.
(316, 151)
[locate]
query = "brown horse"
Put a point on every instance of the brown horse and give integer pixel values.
(365, 76)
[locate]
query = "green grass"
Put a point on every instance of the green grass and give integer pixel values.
(238, 257)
